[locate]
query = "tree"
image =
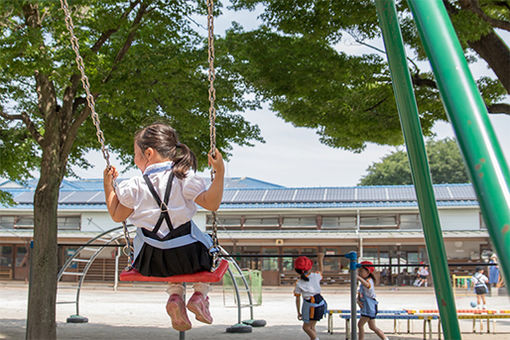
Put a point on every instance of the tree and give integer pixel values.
(292, 60)
(445, 162)
(145, 63)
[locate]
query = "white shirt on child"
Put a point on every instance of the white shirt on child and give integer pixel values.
(134, 193)
(368, 292)
(309, 288)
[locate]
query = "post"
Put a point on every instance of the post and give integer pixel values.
(467, 112)
(409, 119)
(353, 268)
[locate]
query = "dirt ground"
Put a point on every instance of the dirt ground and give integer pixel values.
(138, 312)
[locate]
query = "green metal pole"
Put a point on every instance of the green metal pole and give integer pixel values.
(468, 114)
(411, 127)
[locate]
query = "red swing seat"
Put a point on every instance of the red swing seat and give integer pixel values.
(205, 276)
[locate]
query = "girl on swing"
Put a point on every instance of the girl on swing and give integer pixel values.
(161, 203)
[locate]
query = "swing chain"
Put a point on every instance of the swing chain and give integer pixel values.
(128, 249)
(85, 80)
(212, 116)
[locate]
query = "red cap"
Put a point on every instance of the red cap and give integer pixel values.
(368, 266)
(303, 263)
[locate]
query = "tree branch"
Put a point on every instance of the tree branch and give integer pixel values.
(499, 108)
(106, 35)
(129, 40)
(474, 6)
(418, 81)
(28, 123)
(73, 131)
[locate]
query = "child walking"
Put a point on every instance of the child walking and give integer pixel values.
(480, 283)
(367, 301)
(309, 286)
(161, 203)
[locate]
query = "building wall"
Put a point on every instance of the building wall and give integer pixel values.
(462, 249)
(97, 221)
(459, 219)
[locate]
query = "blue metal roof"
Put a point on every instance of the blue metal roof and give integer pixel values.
(249, 193)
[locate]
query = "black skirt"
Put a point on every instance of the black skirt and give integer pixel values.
(187, 259)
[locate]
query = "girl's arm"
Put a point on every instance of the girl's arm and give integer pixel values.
(364, 282)
(298, 306)
(117, 211)
(211, 198)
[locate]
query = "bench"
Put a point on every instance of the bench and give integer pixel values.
(427, 321)
(331, 312)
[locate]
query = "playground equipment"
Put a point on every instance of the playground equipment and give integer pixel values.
(468, 114)
(79, 262)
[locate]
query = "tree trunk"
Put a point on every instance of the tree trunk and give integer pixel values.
(497, 55)
(43, 285)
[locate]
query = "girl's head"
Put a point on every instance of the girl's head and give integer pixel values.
(366, 270)
(479, 269)
(303, 265)
(158, 142)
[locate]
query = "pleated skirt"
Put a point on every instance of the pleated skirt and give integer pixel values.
(187, 259)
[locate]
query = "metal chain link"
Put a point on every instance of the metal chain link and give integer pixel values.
(212, 115)
(128, 249)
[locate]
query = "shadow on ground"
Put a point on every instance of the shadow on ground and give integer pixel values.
(14, 329)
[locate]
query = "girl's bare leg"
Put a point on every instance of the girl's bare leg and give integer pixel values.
(373, 327)
(361, 327)
(309, 328)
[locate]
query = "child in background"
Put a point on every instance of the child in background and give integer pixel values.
(480, 283)
(309, 286)
(161, 204)
(367, 301)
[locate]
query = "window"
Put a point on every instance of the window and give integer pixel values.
(269, 263)
(7, 222)
(5, 256)
(378, 221)
(68, 222)
(230, 222)
(339, 222)
(308, 222)
(288, 262)
(332, 264)
(410, 221)
(24, 222)
(262, 223)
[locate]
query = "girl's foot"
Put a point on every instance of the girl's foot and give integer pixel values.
(199, 305)
(177, 311)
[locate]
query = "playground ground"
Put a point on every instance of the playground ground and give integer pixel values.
(139, 313)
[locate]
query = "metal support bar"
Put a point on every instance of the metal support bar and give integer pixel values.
(353, 268)
(467, 112)
(411, 127)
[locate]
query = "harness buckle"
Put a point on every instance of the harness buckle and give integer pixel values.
(163, 207)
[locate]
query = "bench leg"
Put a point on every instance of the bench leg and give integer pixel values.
(408, 326)
(488, 324)
(438, 329)
(329, 324)
(347, 329)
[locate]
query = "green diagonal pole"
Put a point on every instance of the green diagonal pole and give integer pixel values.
(411, 127)
(468, 114)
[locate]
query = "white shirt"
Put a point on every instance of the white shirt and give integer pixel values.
(368, 292)
(309, 288)
(134, 194)
(423, 271)
(479, 280)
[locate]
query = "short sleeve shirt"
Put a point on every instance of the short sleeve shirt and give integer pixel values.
(134, 194)
(309, 288)
(367, 292)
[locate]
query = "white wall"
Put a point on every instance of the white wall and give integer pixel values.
(459, 219)
(97, 221)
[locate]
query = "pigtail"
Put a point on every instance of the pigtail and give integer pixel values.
(184, 159)
(303, 275)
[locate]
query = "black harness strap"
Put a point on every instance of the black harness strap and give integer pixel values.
(163, 205)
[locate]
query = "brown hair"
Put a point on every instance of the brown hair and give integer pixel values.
(163, 138)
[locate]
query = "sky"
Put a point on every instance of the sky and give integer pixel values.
(294, 157)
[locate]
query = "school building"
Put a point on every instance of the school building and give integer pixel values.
(381, 223)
